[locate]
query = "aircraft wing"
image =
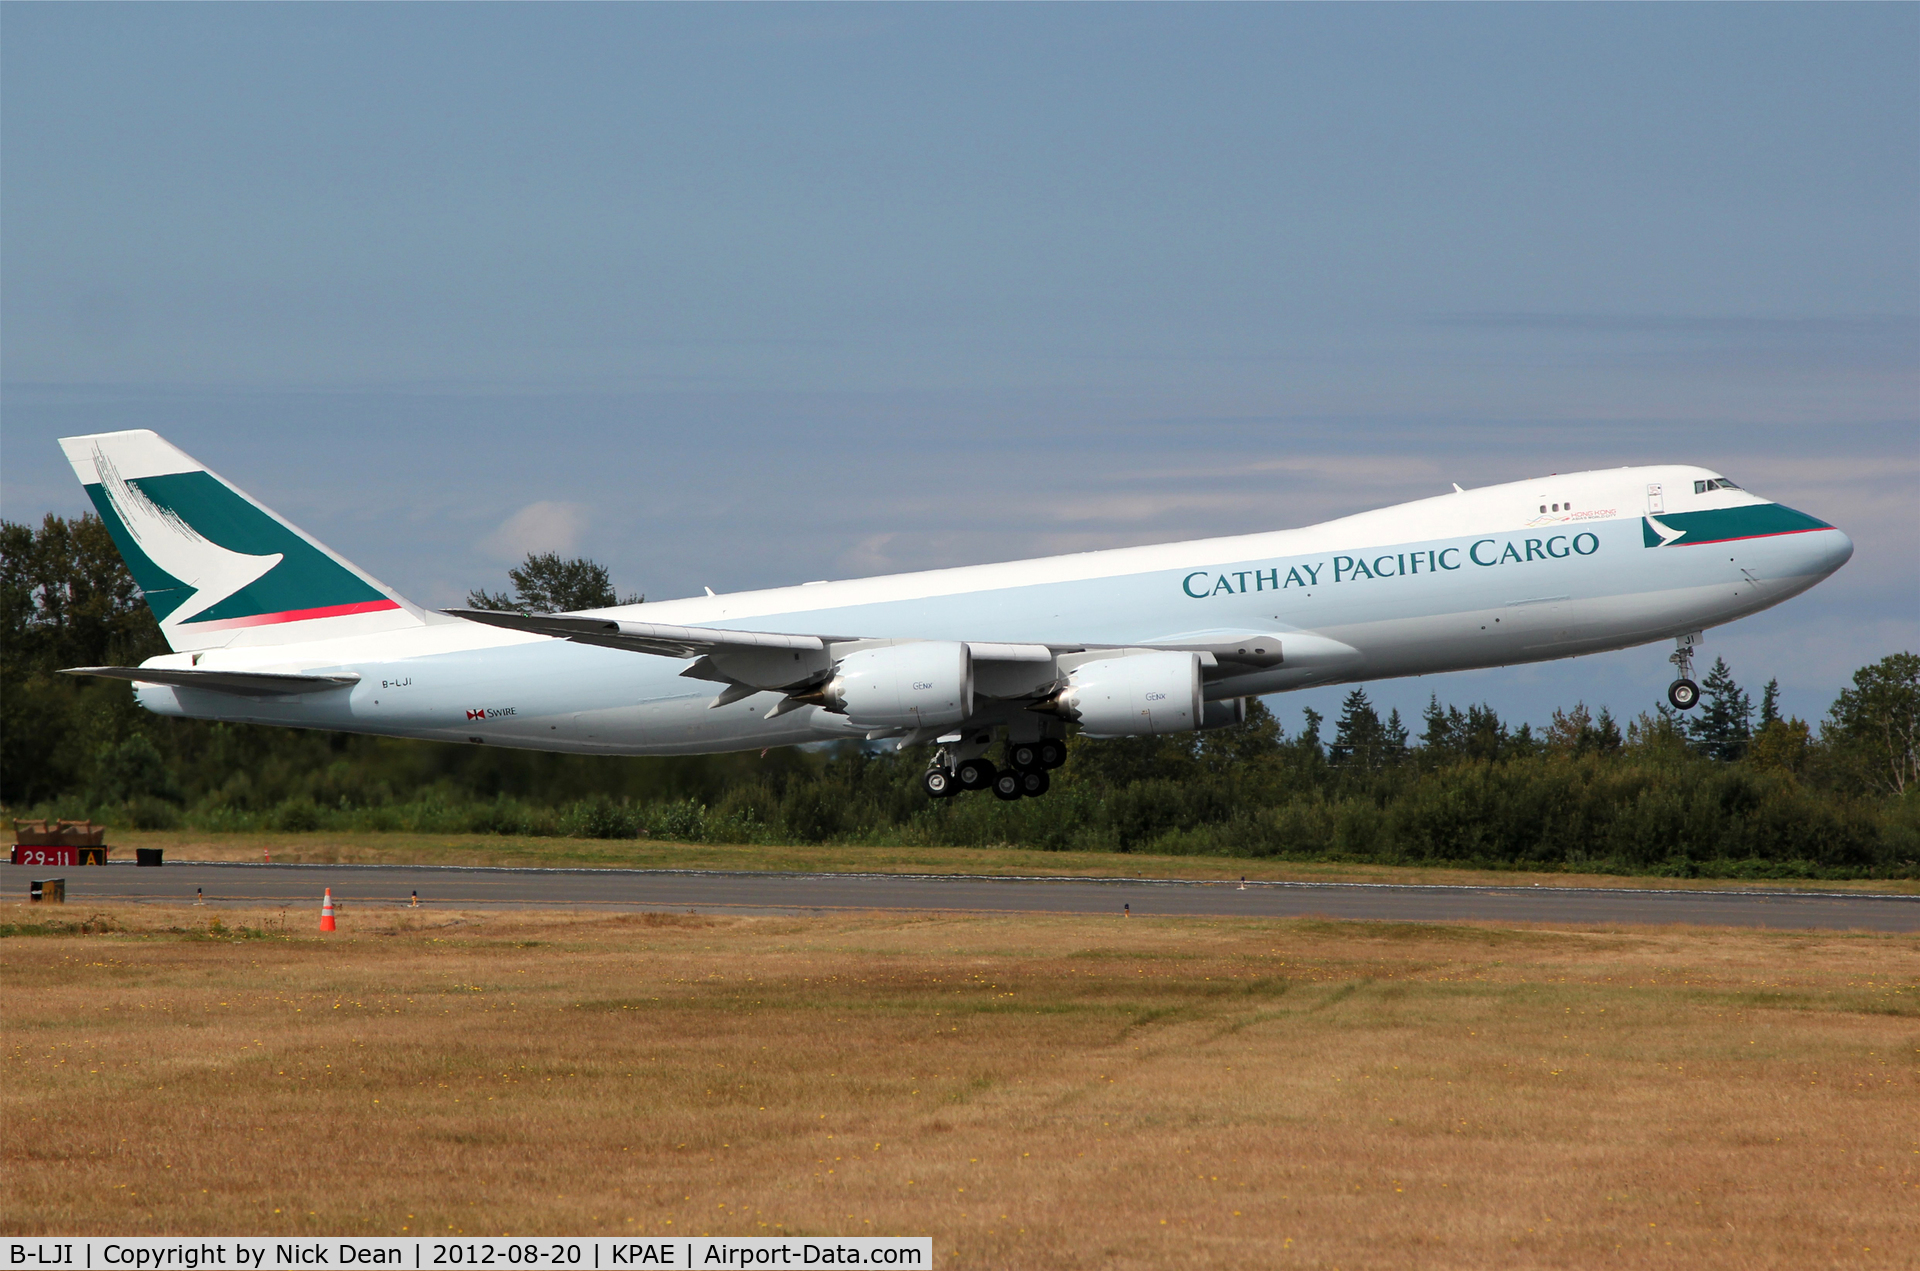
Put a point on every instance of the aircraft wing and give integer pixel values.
(749, 662)
(646, 637)
(244, 683)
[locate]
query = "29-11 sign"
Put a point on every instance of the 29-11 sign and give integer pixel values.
(58, 857)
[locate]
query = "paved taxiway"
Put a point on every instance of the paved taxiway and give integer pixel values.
(715, 892)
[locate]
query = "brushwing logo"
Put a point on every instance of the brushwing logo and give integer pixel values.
(177, 549)
(1666, 533)
(209, 559)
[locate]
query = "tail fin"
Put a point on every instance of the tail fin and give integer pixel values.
(218, 569)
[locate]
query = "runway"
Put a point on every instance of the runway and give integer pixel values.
(738, 892)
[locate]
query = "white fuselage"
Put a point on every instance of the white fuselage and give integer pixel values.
(1470, 579)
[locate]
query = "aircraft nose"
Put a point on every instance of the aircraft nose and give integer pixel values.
(1830, 550)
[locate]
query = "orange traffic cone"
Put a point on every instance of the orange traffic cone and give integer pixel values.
(326, 912)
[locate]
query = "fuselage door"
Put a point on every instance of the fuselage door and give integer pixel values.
(1656, 499)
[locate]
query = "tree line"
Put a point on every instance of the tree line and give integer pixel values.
(1733, 788)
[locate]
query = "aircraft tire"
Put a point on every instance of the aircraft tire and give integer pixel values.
(974, 774)
(1053, 753)
(1006, 785)
(1035, 783)
(1023, 755)
(939, 783)
(1684, 695)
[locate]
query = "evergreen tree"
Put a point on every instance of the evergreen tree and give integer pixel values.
(1606, 733)
(1482, 736)
(1724, 724)
(1396, 738)
(1310, 732)
(544, 583)
(1358, 738)
(1770, 703)
(1437, 738)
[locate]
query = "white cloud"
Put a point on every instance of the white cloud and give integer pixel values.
(545, 526)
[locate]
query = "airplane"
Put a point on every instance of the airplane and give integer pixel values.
(267, 626)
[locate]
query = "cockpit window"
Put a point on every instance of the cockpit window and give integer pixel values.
(1717, 483)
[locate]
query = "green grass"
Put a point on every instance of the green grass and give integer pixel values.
(332, 848)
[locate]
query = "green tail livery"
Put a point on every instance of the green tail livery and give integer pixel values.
(217, 568)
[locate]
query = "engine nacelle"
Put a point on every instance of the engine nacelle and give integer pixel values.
(1230, 713)
(1131, 697)
(927, 684)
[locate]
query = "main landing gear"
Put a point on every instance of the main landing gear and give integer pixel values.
(1024, 777)
(1683, 693)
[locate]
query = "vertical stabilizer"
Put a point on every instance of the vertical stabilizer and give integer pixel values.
(218, 569)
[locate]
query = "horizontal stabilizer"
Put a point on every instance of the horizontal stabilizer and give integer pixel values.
(244, 683)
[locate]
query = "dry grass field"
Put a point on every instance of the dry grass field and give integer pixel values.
(368, 848)
(1032, 1092)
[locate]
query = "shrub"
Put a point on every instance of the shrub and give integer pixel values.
(297, 816)
(601, 818)
(682, 822)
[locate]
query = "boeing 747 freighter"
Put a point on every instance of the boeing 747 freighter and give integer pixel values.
(270, 627)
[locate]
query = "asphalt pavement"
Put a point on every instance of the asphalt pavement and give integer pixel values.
(741, 892)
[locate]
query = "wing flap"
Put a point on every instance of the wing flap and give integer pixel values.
(644, 637)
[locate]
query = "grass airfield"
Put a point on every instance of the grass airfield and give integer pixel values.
(368, 848)
(1030, 1091)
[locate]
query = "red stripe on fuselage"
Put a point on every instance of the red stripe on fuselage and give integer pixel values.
(1741, 538)
(296, 615)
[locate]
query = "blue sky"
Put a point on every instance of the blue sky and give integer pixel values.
(740, 295)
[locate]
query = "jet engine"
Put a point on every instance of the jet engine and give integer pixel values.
(1229, 713)
(1131, 697)
(926, 684)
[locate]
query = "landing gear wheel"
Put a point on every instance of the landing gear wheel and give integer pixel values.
(1006, 785)
(1034, 784)
(939, 783)
(1053, 753)
(974, 774)
(1023, 755)
(1684, 694)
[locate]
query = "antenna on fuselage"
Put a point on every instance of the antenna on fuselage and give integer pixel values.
(1457, 489)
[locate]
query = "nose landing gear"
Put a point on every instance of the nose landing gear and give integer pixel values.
(1683, 693)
